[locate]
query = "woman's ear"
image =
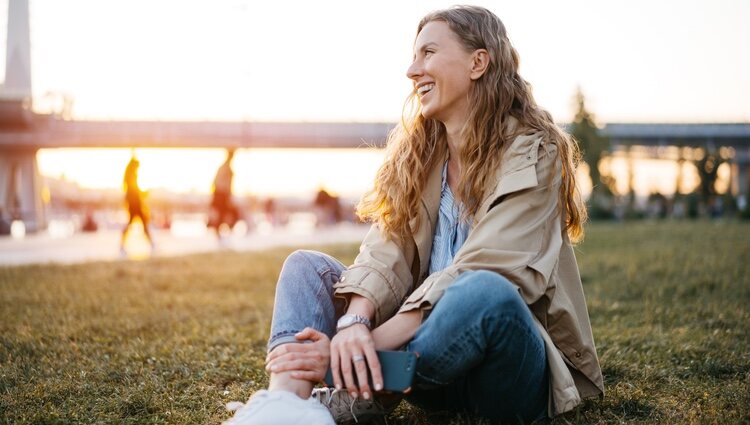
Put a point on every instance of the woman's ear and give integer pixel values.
(480, 60)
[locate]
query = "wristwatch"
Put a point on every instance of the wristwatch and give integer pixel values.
(352, 319)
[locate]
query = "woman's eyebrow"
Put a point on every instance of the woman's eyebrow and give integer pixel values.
(426, 45)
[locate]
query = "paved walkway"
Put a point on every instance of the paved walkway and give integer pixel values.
(104, 245)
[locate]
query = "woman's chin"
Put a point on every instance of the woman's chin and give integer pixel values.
(427, 113)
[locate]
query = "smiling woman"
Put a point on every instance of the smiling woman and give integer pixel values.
(265, 172)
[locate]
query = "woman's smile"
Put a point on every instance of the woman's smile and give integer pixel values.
(424, 89)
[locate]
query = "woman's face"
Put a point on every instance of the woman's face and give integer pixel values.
(441, 73)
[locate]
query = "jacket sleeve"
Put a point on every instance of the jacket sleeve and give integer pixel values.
(519, 237)
(381, 273)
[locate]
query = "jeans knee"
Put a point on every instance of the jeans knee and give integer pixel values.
(307, 267)
(484, 289)
(300, 263)
(301, 259)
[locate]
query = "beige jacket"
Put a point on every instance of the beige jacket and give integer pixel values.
(517, 232)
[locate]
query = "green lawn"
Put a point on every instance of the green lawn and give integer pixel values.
(173, 340)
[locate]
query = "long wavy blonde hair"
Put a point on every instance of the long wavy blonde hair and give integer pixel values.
(416, 144)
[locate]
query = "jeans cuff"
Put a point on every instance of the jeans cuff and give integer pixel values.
(285, 337)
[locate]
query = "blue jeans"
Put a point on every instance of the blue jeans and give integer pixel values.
(480, 351)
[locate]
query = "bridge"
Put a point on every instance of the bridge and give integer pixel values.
(21, 187)
(22, 133)
(49, 132)
(711, 137)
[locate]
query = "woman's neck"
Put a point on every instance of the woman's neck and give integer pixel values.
(454, 158)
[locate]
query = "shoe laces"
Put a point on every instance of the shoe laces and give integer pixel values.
(337, 400)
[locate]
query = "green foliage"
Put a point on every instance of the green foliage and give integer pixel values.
(593, 145)
(708, 171)
(173, 340)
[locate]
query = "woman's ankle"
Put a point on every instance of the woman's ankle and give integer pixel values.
(285, 382)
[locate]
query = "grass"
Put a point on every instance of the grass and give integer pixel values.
(173, 340)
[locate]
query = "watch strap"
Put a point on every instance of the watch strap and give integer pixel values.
(352, 319)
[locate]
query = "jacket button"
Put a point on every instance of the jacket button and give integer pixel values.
(578, 354)
(343, 278)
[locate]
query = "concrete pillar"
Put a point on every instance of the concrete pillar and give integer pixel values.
(17, 83)
(680, 177)
(631, 170)
(22, 188)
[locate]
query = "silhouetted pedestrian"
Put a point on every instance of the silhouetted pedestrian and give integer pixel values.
(223, 210)
(135, 204)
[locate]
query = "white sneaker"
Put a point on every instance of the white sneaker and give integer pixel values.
(280, 408)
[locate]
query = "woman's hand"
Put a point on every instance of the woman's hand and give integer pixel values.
(307, 361)
(352, 351)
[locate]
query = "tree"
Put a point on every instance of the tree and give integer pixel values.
(592, 145)
(708, 170)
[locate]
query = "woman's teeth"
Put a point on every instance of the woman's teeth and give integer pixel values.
(425, 88)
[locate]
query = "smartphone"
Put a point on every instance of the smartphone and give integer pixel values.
(397, 367)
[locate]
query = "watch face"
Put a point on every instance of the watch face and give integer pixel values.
(346, 321)
(350, 319)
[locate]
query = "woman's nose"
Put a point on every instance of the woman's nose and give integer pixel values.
(414, 70)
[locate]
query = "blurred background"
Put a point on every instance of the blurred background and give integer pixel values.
(304, 93)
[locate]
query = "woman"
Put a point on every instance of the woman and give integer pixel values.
(469, 262)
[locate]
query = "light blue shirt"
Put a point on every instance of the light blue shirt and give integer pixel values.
(450, 232)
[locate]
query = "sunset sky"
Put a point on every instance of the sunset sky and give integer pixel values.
(346, 60)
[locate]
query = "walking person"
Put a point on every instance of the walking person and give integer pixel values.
(134, 199)
(222, 209)
(469, 262)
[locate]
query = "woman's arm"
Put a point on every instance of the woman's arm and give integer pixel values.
(381, 273)
(397, 331)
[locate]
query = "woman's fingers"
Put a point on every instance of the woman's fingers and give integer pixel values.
(280, 363)
(299, 364)
(360, 367)
(335, 368)
(354, 347)
(307, 334)
(373, 363)
(310, 334)
(288, 348)
(348, 373)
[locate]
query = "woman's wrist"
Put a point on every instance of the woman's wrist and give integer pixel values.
(361, 306)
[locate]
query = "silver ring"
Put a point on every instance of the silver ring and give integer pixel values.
(357, 358)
